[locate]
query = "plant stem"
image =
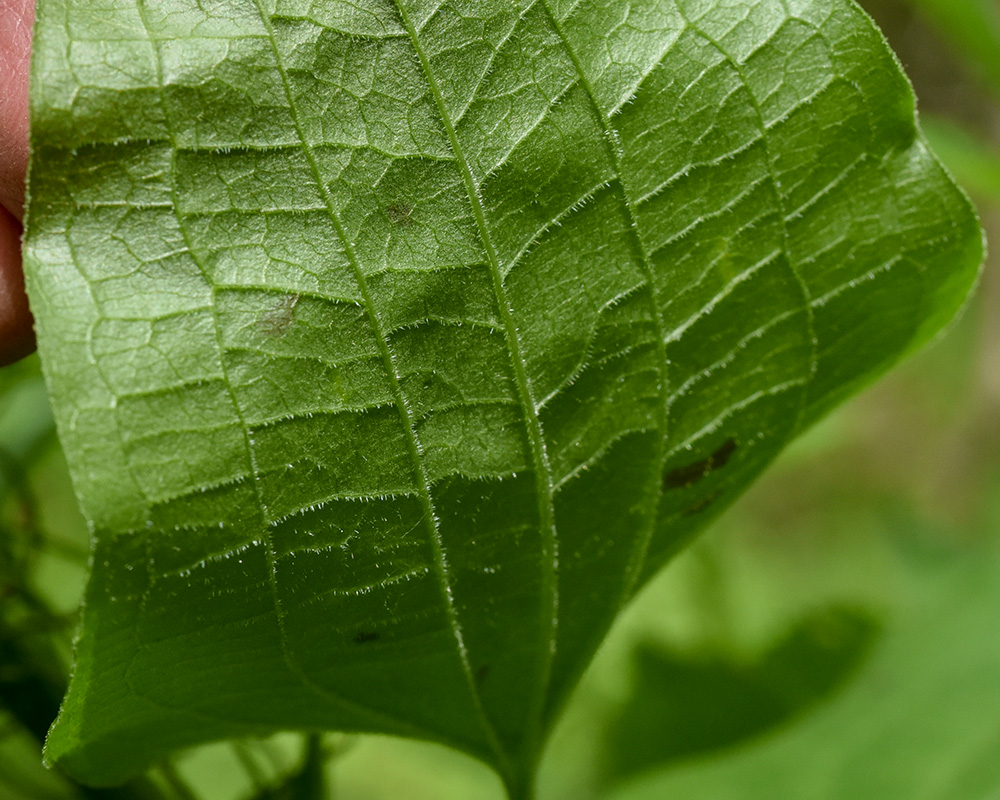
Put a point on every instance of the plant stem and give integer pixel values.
(310, 783)
(251, 767)
(523, 789)
(176, 783)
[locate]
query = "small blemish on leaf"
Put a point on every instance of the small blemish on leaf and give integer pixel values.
(399, 214)
(364, 637)
(692, 473)
(482, 674)
(279, 318)
(701, 505)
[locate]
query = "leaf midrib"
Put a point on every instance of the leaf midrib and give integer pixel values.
(549, 602)
(409, 423)
(389, 720)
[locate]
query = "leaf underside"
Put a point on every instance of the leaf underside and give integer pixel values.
(394, 344)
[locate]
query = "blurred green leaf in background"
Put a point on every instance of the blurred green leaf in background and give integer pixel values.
(683, 705)
(973, 28)
(919, 723)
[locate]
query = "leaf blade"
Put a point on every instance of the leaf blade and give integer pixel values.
(342, 368)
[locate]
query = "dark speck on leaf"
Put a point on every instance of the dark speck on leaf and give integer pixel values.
(683, 477)
(279, 318)
(399, 214)
(701, 505)
(482, 673)
(364, 637)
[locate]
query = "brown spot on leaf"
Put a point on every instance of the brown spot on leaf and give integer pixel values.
(701, 505)
(399, 214)
(482, 674)
(683, 477)
(278, 319)
(364, 637)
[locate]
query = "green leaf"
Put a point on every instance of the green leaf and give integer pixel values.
(25, 420)
(921, 721)
(973, 161)
(394, 345)
(684, 705)
(973, 26)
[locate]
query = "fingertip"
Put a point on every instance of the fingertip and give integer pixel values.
(16, 19)
(17, 333)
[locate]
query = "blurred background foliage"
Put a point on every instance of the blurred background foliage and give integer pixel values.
(835, 635)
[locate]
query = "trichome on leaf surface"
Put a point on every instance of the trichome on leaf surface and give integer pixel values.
(395, 344)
